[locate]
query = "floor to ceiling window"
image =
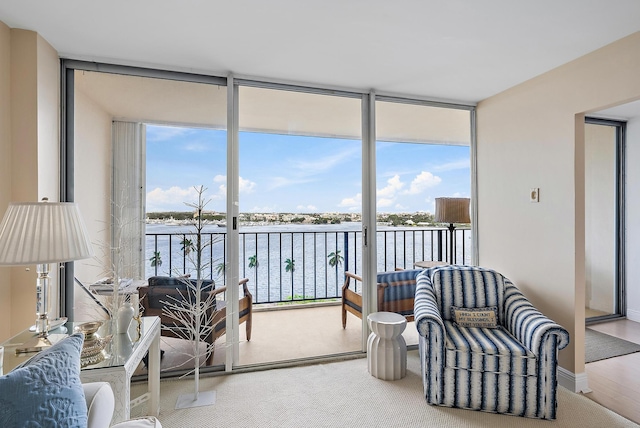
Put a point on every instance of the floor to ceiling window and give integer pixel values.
(287, 197)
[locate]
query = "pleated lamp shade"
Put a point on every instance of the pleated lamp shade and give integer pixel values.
(452, 210)
(43, 232)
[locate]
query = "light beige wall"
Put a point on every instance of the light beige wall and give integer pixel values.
(24, 160)
(30, 137)
(5, 168)
(600, 217)
(532, 135)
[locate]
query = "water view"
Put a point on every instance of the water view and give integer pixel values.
(296, 262)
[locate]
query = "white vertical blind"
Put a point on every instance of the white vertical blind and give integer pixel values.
(128, 199)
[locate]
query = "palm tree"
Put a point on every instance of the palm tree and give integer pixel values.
(253, 261)
(335, 259)
(289, 265)
(156, 259)
(220, 268)
(187, 245)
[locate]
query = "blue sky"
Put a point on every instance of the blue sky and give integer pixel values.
(283, 173)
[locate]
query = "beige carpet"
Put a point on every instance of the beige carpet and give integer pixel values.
(343, 394)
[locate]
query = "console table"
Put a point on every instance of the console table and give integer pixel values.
(122, 356)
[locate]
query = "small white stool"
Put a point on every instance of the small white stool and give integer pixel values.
(386, 348)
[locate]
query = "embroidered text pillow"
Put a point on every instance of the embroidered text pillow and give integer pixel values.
(475, 317)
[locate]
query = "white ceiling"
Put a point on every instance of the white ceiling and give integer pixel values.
(621, 112)
(459, 50)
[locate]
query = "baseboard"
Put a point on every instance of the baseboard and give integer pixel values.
(633, 315)
(573, 382)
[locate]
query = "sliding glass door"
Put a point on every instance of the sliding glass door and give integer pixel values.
(422, 152)
(142, 146)
(300, 209)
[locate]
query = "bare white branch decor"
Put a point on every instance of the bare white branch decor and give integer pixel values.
(194, 307)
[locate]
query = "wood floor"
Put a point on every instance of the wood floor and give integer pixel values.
(615, 382)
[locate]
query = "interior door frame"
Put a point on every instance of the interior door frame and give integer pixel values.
(619, 228)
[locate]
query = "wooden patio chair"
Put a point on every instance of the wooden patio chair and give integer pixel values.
(162, 289)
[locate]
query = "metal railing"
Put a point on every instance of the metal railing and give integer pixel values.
(301, 266)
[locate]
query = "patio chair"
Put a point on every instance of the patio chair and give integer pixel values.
(396, 291)
(483, 346)
(161, 289)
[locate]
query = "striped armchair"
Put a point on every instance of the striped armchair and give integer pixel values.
(395, 293)
(508, 369)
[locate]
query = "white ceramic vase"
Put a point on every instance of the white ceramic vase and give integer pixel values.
(125, 315)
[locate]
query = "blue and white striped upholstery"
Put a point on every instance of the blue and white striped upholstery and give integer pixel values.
(396, 291)
(510, 369)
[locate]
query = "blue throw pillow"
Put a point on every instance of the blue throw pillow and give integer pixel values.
(46, 390)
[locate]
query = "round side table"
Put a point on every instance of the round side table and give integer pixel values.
(386, 348)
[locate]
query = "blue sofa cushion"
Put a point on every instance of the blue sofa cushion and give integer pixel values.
(46, 390)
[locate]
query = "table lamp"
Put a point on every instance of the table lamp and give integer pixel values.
(41, 233)
(452, 210)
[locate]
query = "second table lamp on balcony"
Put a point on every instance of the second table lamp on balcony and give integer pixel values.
(40, 233)
(452, 210)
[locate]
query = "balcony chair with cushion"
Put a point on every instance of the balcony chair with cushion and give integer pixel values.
(396, 291)
(483, 346)
(162, 289)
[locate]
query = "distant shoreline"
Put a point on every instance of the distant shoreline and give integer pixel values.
(424, 219)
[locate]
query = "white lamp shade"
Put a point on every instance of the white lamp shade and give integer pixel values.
(43, 232)
(452, 210)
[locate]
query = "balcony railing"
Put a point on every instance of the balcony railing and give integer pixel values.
(300, 266)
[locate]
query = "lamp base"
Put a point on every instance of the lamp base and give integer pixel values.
(39, 343)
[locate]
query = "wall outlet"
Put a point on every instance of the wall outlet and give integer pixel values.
(534, 194)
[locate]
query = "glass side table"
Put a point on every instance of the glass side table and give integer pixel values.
(122, 355)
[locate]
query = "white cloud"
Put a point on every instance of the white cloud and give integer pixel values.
(353, 202)
(423, 181)
(385, 202)
(245, 186)
(172, 199)
(393, 185)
